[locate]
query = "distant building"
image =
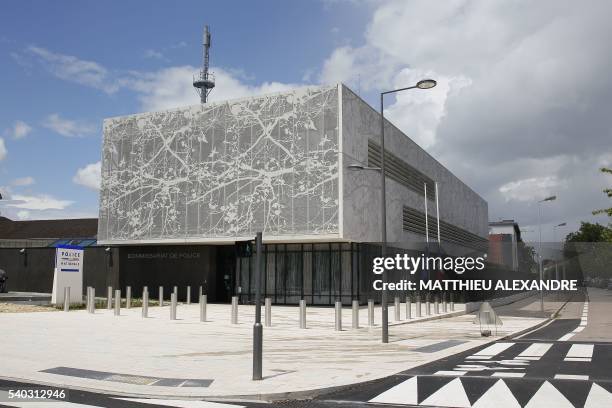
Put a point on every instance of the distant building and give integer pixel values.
(504, 239)
(45, 233)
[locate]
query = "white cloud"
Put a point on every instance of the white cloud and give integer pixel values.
(67, 127)
(73, 69)
(530, 189)
(151, 53)
(39, 202)
(89, 176)
(23, 214)
(20, 130)
(23, 181)
(3, 151)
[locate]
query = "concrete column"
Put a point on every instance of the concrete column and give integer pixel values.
(161, 296)
(268, 312)
(203, 301)
(370, 313)
(396, 309)
(408, 307)
(338, 309)
(355, 314)
(67, 299)
(117, 302)
(173, 303)
(234, 309)
(145, 302)
(188, 295)
(109, 298)
(128, 297)
(302, 314)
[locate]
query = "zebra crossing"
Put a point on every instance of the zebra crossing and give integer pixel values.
(511, 374)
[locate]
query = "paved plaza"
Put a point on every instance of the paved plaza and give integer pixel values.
(156, 356)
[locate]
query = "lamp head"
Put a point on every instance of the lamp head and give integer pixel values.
(426, 84)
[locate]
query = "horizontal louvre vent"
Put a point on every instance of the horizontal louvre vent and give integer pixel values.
(400, 171)
(414, 221)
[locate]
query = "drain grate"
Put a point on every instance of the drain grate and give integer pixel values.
(128, 378)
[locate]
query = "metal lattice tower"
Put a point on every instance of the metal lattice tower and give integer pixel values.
(205, 82)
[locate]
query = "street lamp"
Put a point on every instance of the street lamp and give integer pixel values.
(563, 224)
(551, 198)
(423, 84)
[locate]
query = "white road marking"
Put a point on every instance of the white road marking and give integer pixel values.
(491, 351)
(583, 323)
(507, 374)
(580, 352)
(181, 403)
(535, 351)
(498, 396)
(598, 397)
(566, 337)
(571, 377)
(548, 396)
(402, 393)
(451, 395)
(453, 373)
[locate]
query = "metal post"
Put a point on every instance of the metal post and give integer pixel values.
(257, 327)
(383, 222)
(67, 299)
(117, 302)
(444, 305)
(89, 299)
(436, 304)
(338, 326)
(161, 296)
(200, 292)
(355, 314)
(370, 313)
(203, 301)
(173, 306)
(145, 302)
(93, 300)
(540, 256)
(188, 295)
(234, 309)
(176, 292)
(128, 297)
(452, 302)
(427, 305)
(408, 307)
(302, 314)
(418, 306)
(109, 298)
(396, 309)
(268, 315)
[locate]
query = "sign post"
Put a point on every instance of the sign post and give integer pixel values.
(257, 327)
(68, 273)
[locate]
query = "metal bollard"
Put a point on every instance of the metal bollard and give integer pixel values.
(396, 309)
(338, 326)
(67, 299)
(145, 302)
(128, 297)
(93, 300)
(268, 314)
(203, 301)
(302, 314)
(444, 305)
(88, 307)
(408, 307)
(355, 314)
(436, 305)
(117, 302)
(370, 313)
(452, 303)
(176, 292)
(161, 296)
(418, 306)
(109, 298)
(427, 305)
(234, 309)
(188, 295)
(173, 306)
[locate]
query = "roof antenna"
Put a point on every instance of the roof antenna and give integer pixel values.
(205, 82)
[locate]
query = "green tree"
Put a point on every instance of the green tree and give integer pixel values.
(590, 232)
(608, 192)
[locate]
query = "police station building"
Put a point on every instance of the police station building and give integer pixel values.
(183, 189)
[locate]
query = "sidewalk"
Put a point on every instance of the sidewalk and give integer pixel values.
(294, 359)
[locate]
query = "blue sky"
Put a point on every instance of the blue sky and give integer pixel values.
(512, 115)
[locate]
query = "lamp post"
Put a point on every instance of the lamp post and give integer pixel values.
(423, 84)
(563, 224)
(551, 198)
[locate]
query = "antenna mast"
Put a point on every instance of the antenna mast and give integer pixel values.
(205, 82)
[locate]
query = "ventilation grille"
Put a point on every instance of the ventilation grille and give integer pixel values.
(400, 171)
(414, 221)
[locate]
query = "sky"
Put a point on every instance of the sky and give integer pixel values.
(521, 110)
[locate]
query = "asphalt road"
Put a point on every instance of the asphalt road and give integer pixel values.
(565, 363)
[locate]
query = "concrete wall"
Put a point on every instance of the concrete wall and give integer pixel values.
(459, 205)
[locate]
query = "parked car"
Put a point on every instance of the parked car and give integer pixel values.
(3, 278)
